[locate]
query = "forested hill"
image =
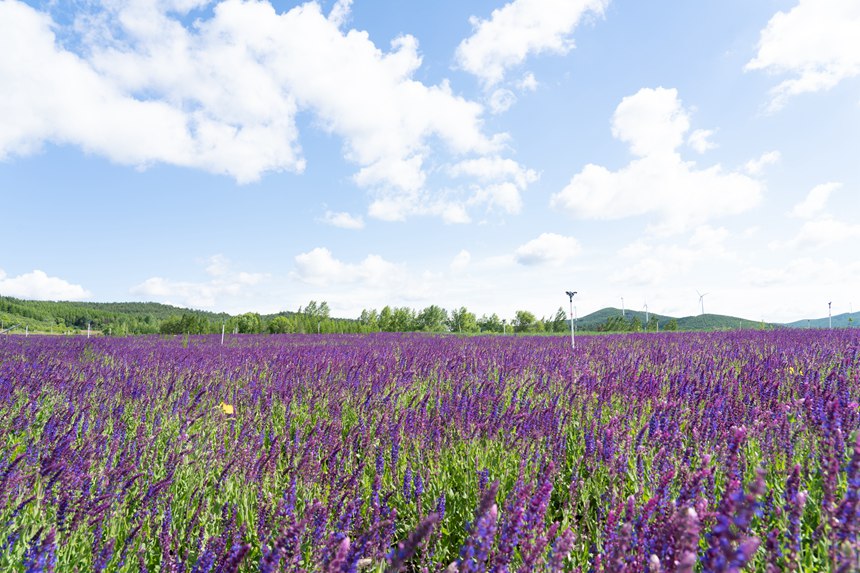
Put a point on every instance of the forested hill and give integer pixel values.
(120, 318)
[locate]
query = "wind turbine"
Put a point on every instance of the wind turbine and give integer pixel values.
(829, 316)
(702, 300)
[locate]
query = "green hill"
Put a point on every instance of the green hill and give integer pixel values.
(844, 320)
(609, 319)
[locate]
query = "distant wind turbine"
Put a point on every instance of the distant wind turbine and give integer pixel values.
(702, 300)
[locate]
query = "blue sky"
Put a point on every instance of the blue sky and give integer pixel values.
(253, 156)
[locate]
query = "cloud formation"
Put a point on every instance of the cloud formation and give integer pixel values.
(223, 281)
(548, 248)
(37, 285)
(816, 44)
(223, 94)
(519, 29)
(653, 122)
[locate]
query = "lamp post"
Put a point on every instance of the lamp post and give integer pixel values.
(829, 317)
(570, 295)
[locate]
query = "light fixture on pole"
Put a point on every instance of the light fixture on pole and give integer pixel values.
(570, 295)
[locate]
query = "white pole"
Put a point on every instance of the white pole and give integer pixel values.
(222, 334)
(26, 331)
(88, 330)
(622, 307)
(829, 316)
(572, 327)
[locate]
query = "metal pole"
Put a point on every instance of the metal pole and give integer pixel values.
(570, 295)
(829, 317)
(572, 327)
(222, 334)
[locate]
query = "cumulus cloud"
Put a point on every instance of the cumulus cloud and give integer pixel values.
(653, 122)
(139, 85)
(815, 201)
(319, 267)
(223, 282)
(461, 261)
(756, 166)
(343, 220)
(822, 232)
(652, 263)
(500, 184)
(37, 285)
(519, 29)
(816, 44)
(699, 140)
(548, 248)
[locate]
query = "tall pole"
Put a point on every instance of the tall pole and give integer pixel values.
(222, 334)
(570, 295)
(829, 316)
(622, 307)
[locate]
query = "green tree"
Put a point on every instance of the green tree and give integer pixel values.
(432, 319)
(672, 325)
(369, 319)
(403, 319)
(386, 319)
(524, 321)
(490, 323)
(559, 321)
(249, 323)
(463, 321)
(280, 325)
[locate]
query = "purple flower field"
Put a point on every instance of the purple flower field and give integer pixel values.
(672, 452)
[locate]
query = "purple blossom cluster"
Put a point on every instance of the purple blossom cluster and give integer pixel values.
(675, 452)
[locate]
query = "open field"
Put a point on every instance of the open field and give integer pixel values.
(661, 452)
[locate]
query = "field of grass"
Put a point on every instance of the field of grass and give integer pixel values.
(671, 452)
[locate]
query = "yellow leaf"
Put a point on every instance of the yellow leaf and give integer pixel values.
(227, 408)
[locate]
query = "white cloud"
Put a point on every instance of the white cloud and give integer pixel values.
(501, 100)
(461, 261)
(815, 201)
(548, 248)
(528, 83)
(37, 285)
(653, 123)
(222, 94)
(501, 181)
(699, 140)
(340, 12)
(319, 267)
(653, 263)
(756, 166)
(224, 282)
(816, 43)
(343, 220)
(823, 232)
(519, 29)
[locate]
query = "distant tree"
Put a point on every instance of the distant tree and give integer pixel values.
(671, 325)
(369, 319)
(280, 325)
(432, 319)
(249, 323)
(559, 322)
(490, 323)
(635, 324)
(463, 321)
(614, 324)
(404, 319)
(653, 324)
(386, 319)
(524, 321)
(314, 310)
